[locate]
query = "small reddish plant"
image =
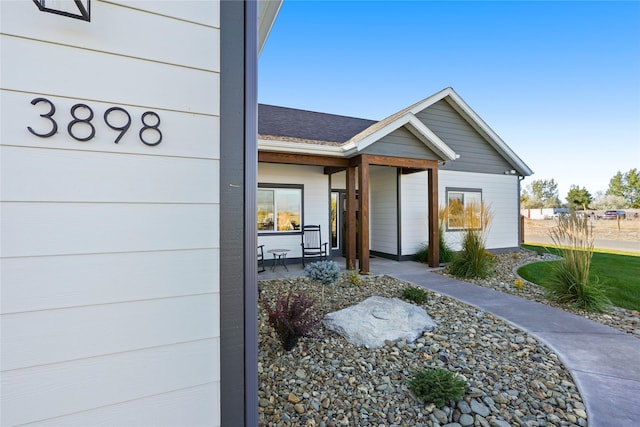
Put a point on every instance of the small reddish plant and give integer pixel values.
(291, 318)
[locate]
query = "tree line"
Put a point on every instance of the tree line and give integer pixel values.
(623, 192)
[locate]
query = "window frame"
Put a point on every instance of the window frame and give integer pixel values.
(275, 187)
(463, 191)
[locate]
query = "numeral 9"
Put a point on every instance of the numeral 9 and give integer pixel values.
(122, 129)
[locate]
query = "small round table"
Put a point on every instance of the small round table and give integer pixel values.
(279, 257)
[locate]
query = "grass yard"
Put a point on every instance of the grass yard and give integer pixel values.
(620, 274)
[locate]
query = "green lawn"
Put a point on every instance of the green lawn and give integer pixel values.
(620, 274)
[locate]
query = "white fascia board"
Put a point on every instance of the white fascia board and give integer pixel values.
(430, 139)
(267, 12)
(416, 127)
(300, 148)
(476, 121)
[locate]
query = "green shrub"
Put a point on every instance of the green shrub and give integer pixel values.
(353, 278)
(324, 272)
(291, 318)
(415, 295)
(570, 282)
(437, 386)
(445, 252)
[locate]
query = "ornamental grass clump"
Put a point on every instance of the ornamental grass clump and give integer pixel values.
(291, 318)
(473, 261)
(571, 282)
(445, 252)
(437, 386)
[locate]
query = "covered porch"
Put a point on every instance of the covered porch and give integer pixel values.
(357, 171)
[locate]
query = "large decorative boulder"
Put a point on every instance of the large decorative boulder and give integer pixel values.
(377, 319)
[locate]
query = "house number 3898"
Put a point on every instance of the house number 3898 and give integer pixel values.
(82, 114)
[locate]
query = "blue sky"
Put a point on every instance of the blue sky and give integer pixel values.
(558, 81)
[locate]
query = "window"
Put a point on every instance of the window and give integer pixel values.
(464, 208)
(279, 207)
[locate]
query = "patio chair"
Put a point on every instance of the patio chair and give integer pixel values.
(261, 259)
(312, 246)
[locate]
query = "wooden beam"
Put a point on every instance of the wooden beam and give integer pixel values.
(301, 159)
(432, 194)
(351, 218)
(329, 170)
(400, 162)
(363, 231)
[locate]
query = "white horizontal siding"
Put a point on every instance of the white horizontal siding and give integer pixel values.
(500, 193)
(44, 229)
(383, 221)
(315, 204)
(84, 74)
(137, 33)
(55, 282)
(179, 408)
(61, 175)
(415, 226)
(50, 391)
(110, 252)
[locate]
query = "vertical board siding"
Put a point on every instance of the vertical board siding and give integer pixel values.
(476, 155)
(315, 203)
(415, 227)
(110, 252)
(384, 210)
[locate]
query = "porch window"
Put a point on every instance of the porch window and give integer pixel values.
(463, 208)
(279, 207)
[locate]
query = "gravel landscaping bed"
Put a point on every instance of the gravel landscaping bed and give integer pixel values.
(627, 321)
(512, 379)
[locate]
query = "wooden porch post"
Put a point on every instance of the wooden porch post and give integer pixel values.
(363, 231)
(432, 193)
(351, 218)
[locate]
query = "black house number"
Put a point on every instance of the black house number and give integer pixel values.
(82, 114)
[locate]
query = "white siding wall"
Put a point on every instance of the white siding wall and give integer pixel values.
(500, 193)
(415, 226)
(315, 203)
(110, 252)
(383, 220)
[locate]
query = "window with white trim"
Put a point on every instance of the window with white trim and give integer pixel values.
(279, 208)
(464, 208)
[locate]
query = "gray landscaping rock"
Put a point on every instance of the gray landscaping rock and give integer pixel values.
(377, 319)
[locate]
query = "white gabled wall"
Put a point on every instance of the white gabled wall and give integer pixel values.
(110, 252)
(315, 202)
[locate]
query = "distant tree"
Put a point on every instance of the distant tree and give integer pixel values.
(529, 202)
(626, 185)
(578, 198)
(545, 192)
(603, 202)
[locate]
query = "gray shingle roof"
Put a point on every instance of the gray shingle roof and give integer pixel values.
(308, 125)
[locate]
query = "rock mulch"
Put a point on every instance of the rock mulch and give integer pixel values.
(503, 280)
(512, 379)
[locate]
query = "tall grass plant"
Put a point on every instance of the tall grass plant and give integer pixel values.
(570, 282)
(473, 261)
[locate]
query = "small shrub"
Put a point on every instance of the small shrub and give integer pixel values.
(437, 386)
(291, 318)
(353, 278)
(518, 284)
(515, 255)
(324, 272)
(423, 254)
(445, 252)
(415, 295)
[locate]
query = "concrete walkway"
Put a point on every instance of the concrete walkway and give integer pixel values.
(604, 363)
